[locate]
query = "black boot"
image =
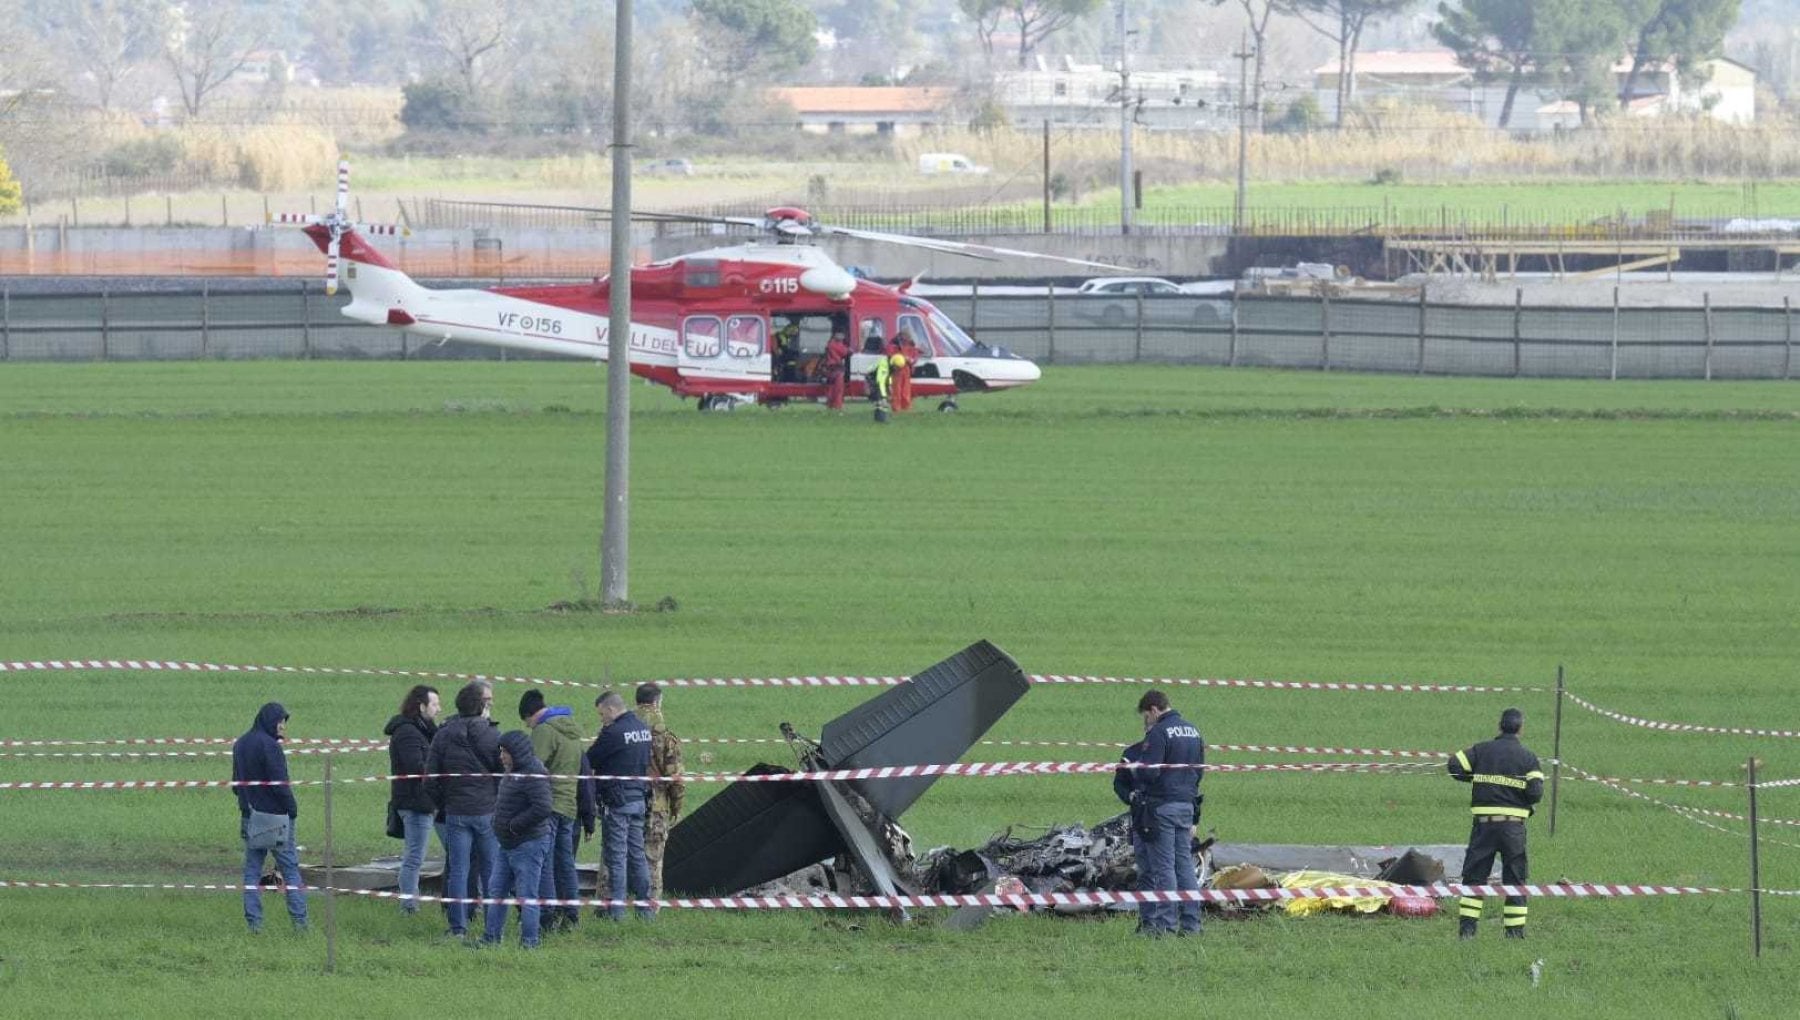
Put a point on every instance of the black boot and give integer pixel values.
(1516, 932)
(1466, 930)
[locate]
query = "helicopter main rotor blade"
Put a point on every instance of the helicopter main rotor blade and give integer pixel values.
(976, 251)
(600, 213)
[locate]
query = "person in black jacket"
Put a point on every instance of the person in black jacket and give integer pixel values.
(1166, 800)
(622, 751)
(522, 826)
(1122, 778)
(462, 754)
(1506, 782)
(257, 758)
(409, 743)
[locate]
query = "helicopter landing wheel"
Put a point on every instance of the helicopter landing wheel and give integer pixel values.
(947, 406)
(705, 404)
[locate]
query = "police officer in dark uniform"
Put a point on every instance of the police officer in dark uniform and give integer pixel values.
(622, 749)
(1507, 781)
(1165, 806)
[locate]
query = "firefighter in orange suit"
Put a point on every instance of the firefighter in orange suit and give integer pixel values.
(837, 370)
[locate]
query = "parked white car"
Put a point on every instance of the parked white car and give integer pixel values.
(1159, 309)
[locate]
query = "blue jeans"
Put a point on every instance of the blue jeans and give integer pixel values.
(517, 871)
(559, 881)
(287, 861)
(1171, 866)
(418, 836)
(622, 844)
(470, 849)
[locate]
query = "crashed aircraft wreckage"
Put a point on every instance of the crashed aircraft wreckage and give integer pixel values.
(766, 838)
(754, 833)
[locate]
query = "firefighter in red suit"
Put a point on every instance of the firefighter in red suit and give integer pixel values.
(837, 368)
(900, 364)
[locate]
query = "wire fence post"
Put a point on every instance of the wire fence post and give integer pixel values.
(1137, 345)
(1755, 867)
(1518, 323)
(1787, 335)
(1613, 368)
(1706, 305)
(5, 322)
(974, 311)
(205, 316)
(1420, 369)
(1050, 292)
(330, 880)
(1231, 355)
(1556, 748)
(306, 346)
(1324, 328)
(105, 323)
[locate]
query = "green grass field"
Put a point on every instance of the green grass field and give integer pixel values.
(1126, 521)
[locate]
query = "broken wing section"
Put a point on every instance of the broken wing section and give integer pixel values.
(750, 833)
(935, 719)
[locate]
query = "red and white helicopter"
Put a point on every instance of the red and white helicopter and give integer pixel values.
(702, 323)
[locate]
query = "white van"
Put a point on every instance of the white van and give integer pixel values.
(948, 163)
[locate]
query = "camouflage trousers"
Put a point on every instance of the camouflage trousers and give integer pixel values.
(656, 837)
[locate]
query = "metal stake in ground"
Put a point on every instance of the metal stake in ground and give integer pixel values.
(330, 882)
(1556, 748)
(1755, 866)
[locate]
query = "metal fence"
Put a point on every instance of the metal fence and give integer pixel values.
(1320, 333)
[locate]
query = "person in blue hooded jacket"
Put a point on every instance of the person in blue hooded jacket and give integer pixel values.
(522, 827)
(258, 759)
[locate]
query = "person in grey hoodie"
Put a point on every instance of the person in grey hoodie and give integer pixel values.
(522, 825)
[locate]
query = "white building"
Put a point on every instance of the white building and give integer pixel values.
(1724, 90)
(1087, 95)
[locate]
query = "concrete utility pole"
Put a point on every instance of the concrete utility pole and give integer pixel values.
(1243, 56)
(1124, 127)
(615, 532)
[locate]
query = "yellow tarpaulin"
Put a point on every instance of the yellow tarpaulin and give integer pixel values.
(1332, 880)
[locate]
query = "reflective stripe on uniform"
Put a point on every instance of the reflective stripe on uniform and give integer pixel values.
(1514, 921)
(1518, 908)
(1509, 812)
(1470, 906)
(1534, 774)
(1517, 784)
(1462, 758)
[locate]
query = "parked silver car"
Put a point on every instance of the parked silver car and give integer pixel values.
(1162, 306)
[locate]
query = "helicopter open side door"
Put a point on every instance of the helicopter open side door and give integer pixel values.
(724, 353)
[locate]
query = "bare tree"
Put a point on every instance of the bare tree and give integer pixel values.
(1342, 21)
(1257, 14)
(465, 34)
(205, 42)
(102, 41)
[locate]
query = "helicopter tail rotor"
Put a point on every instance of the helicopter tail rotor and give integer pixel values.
(330, 230)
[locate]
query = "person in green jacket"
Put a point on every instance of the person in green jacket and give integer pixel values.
(560, 746)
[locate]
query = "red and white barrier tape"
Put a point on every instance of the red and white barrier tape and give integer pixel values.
(179, 754)
(1441, 890)
(975, 768)
(141, 665)
(1693, 814)
(1674, 727)
(361, 743)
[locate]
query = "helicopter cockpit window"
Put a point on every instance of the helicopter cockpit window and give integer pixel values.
(744, 336)
(914, 326)
(874, 336)
(702, 335)
(950, 335)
